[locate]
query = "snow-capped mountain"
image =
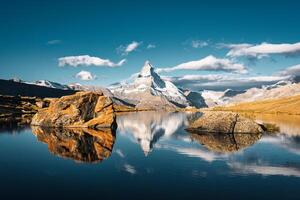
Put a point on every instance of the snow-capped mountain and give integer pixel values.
(213, 98)
(264, 93)
(278, 84)
(50, 84)
(195, 99)
(278, 90)
(149, 90)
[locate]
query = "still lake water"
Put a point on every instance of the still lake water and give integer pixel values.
(151, 156)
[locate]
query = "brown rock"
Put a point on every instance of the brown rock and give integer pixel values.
(224, 122)
(83, 109)
(79, 144)
(43, 103)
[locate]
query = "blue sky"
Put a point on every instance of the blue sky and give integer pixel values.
(35, 34)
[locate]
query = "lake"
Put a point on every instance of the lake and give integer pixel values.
(151, 156)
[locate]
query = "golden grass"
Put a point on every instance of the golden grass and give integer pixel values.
(287, 105)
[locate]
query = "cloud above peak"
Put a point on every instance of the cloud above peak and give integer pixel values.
(125, 50)
(209, 63)
(151, 46)
(86, 60)
(198, 44)
(53, 42)
(261, 50)
(85, 75)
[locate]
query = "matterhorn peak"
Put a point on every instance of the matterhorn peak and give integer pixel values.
(147, 69)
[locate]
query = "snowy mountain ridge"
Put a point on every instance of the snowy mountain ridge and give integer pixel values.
(148, 87)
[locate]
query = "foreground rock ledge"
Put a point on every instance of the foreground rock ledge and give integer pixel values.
(224, 122)
(83, 109)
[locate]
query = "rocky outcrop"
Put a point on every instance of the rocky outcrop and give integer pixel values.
(18, 110)
(84, 145)
(83, 109)
(226, 143)
(224, 122)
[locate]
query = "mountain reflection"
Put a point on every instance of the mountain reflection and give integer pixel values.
(149, 127)
(84, 145)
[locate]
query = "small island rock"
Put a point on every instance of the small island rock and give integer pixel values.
(224, 122)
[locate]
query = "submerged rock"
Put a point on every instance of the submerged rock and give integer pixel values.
(84, 145)
(224, 122)
(83, 109)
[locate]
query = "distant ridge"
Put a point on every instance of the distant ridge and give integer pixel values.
(10, 87)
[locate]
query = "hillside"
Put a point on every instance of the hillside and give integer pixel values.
(287, 105)
(12, 88)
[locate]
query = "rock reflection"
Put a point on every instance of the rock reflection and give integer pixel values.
(149, 127)
(226, 143)
(84, 145)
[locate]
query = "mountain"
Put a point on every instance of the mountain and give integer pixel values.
(50, 84)
(278, 90)
(275, 91)
(213, 98)
(13, 88)
(43, 83)
(149, 91)
(195, 99)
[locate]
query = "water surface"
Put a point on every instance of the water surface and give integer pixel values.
(150, 156)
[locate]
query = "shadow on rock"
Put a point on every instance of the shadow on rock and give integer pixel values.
(79, 144)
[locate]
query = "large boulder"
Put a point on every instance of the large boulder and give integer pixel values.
(79, 144)
(83, 109)
(224, 122)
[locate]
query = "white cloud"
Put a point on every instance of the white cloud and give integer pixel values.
(125, 50)
(293, 71)
(87, 61)
(261, 50)
(85, 76)
(223, 81)
(151, 46)
(209, 63)
(132, 46)
(52, 42)
(198, 44)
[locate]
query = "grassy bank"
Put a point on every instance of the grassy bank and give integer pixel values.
(287, 105)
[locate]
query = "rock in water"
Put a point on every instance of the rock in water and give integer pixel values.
(83, 109)
(224, 122)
